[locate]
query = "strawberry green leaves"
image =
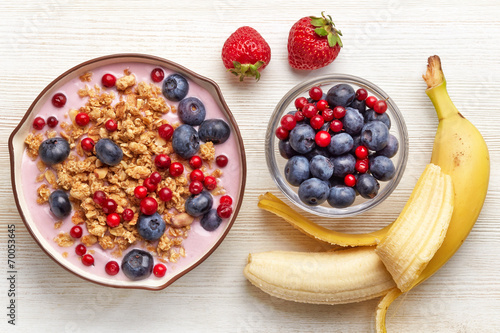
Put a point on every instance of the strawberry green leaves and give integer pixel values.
(246, 70)
(325, 27)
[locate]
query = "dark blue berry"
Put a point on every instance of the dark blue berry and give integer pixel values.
(343, 165)
(321, 167)
(340, 94)
(191, 111)
(371, 115)
(367, 186)
(323, 151)
(214, 130)
(185, 141)
(108, 152)
(340, 144)
(53, 151)
(286, 151)
(297, 170)
(341, 196)
(313, 191)
(302, 138)
(137, 264)
(151, 227)
(211, 220)
(382, 168)
(392, 147)
(336, 181)
(359, 105)
(199, 204)
(59, 204)
(353, 121)
(356, 143)
(175, 87)
(375, 135)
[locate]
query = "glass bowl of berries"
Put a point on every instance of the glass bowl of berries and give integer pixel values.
(336, 145)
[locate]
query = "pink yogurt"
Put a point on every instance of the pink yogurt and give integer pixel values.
(198, 242)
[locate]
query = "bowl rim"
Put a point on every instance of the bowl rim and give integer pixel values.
(271, 154)
(171, 65)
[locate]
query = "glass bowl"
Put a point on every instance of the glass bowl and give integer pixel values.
(276, 163)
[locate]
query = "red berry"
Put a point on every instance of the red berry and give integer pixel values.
(162, 161)
(300, 102)
(112, 268)
(281, 133)
(108, 80)
(339, 112)
(87, 144)
(166, 131)
(38, 123)
(361, 166)
(323, 138)
(327, 114)
(109, 206)
(350, 180)
(370, 101)
(159, 270)
(149, 206)
(316, 93)
(195, 162)
(221, 161)
(322, 105)
(88, 260)
(380, 106)
(336, 126)
(165, 194)
(59, 100)
(157, 75)
(288, 122)
(82, 119)
(309, 110)
(299, 116)
(111, 125)
(361, 94)
(361, 152)
(197, 175)
(80, 250)
(210, 182)
(155, 177)
(196, 187)
(317, 121)
(52, 121)
(76, 231)
(113, 220)
(99, 197)
(176, 169)
(140, 192)
(128, 214)
(224, 211)
(226, 200)
(150, 185)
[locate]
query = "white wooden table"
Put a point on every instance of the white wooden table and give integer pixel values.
(385, 42)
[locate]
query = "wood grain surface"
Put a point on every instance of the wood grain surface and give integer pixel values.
(385, 42)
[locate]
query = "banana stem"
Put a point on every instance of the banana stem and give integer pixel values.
(442, 101)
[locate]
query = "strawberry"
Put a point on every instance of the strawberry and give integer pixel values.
(313, 42)
(246, 53)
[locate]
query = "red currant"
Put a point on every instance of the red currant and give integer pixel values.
(361, 166)
(361, 152)
(288, 122)
(361, 94)
(380, 106)
(323, 138)
(196, 187)
(176, 169)
(112, 268)
(111, 125)
(322, 105)
(166, 131)
(38, 123)
(80, 250)
(162, 161)
(87, 260)
(87, 144)
(159, 270)
(149, 206)
(109, 206)
(99, 197)
(155, 177)
(82, 119)
(370, 101)
(150, 185)
(113, 220)
(327, 114)
(221, 161)
(336, 126)
(281, 133)
(317, 121)
(128, 214)
(299, 116)
(140, 192)
(309, 111)
(165, 194)
(76, 231)
(196, 175)
(195, 162)
(108, 80)
(350, 180)
(59, 100)
(339, 112)
(224, 211)
(157, 75)
(300, 102)
(52, 121)
(226, 200)
(210, 182)
(316, 93)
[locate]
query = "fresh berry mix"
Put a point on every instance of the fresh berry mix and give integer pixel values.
(341, 147)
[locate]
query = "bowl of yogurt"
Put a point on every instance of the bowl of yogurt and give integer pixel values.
(128, 170)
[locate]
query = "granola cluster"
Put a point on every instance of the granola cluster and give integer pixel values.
(138, 114)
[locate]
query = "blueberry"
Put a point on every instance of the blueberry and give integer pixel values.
(137, 264)
(341, 196)
(151, 227)
(214, 130)
(340, 144)
(334, 181)
(108, 152)
(343, 165)
(392, 147)
(185, 141)
(367, 186)
(302, 138)
(199, 204)
(191, 111)
(371, 115)
(326, 127)
(382, 168)
(286, 151)
(313, 191)
(53, 151)
(353, 121)
(297, 170)
(175, 87)
(340, 94)
(359, 105)
(211, 220)
(59, 204)
(356, 143)
(375, 135)
(321, 167)
(317, 151)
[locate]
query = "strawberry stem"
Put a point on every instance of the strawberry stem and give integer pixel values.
(246, 70)
(325, 27)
